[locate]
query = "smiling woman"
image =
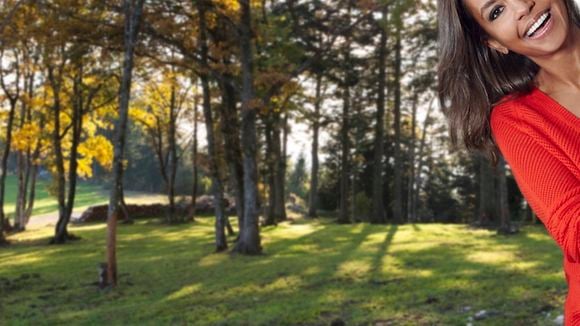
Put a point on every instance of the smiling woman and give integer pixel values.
(509, 85)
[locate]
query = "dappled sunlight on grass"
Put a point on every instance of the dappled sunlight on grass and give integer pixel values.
(184, 291)
(311, 272)
(284, 283)
(211, 260)
(22, 259)
(490, 257)
(353, 268)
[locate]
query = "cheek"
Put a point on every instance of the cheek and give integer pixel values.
(506, 33)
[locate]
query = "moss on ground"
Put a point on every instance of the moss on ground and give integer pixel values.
(311, 273)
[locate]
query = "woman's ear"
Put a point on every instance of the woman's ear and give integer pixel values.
(496, 46)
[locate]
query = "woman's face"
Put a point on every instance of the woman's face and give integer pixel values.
(531, 28)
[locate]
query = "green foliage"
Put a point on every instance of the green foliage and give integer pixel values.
(298, 178)
(362, 206)
(313, 272)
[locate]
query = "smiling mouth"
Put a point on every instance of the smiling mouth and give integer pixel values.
(541, 22)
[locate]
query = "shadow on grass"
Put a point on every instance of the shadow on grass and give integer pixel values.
(311, 273)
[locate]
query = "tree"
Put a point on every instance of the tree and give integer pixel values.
(132, 10)
(378, 213)
(249, 241)
(159, 112)
(27, 138)
(89, 98)
(12, 93)
(194, 160)
(398, 183)
(345, 171)
(313, 194)
(218, 190)
(505, 225)
(298, 177)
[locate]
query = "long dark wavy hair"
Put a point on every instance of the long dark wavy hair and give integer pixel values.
(473, 78)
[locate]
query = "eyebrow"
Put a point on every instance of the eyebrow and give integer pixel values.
(488, 4)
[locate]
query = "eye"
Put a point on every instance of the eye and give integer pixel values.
(495, 12)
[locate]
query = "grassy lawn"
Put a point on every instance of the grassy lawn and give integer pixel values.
(87, 194)
(311, 273)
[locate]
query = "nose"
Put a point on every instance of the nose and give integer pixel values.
(523, 7)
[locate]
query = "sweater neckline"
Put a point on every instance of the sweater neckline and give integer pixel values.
(563, 111)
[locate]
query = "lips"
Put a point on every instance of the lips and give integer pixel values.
(530, 25)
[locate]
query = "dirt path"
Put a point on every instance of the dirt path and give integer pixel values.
(131, 197)
(40, 221)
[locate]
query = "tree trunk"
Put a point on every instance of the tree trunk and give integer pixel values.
(270, 218)
(12, 98)
(313, 196)
(231, 131)
(482, 216)
(172, 164)
(127, 219)
(77, 121)
(132, 10)
(249, 241)
(420, 160)
(378, 210)
(194, 161)
(60, 232)
(344, 212)
(25, 161)
(22, 169)
(359, 136)
(398, 191)
(279, 170)
(505, 226)
(220, 221)
(3, 166)
(411, 188)
(23, 172)
(486, 189)
(285, 130)
(33, 170)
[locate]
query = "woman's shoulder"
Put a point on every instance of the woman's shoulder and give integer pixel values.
(507, 108)
(515, 107)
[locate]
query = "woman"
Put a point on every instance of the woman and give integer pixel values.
(509, 79)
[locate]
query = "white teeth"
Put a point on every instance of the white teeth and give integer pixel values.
(537, 24)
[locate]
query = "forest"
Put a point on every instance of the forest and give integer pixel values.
(244, 119)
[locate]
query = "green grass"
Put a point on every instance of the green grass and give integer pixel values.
(311, 273)
(87, 194)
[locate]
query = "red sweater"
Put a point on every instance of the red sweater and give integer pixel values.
(540, 140)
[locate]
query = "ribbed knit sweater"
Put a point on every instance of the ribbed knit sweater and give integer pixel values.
(540, 140)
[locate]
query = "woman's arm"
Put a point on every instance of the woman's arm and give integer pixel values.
(549, 186)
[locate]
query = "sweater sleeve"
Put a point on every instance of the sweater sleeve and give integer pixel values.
(548, 185)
